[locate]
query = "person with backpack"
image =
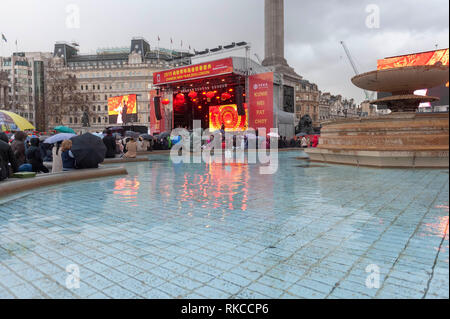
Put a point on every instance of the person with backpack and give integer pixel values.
(7, 158)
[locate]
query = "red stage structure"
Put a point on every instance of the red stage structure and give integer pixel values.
(215, 93)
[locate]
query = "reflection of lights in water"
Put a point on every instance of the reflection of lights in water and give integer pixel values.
(440, 227)
(223, 186)
(127, 189)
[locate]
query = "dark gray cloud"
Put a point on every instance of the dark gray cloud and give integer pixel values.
(313, 29)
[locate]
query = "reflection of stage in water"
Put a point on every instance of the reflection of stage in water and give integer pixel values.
(127, 189)
(219, 188)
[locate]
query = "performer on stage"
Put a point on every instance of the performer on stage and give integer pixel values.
(124, 112)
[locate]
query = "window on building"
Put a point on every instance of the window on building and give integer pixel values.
(98, 108)
(99, 119)
(106, 108)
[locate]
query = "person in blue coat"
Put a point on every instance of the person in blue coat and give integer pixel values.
(68, 159)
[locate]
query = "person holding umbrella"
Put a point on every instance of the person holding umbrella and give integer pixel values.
(88, 150)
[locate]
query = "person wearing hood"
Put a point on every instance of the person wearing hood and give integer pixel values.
(34, 156)
(18, 147)
(110, 143)
(7, 158)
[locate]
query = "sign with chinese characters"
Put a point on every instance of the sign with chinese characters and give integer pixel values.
(192, 72)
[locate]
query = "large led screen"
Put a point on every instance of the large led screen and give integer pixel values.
(228, 115)
(122, 109)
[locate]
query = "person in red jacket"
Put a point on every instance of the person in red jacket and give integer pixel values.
(315, 141)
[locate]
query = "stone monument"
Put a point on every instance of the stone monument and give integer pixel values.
(274, 39)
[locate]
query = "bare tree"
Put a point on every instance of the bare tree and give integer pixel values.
(62, 99)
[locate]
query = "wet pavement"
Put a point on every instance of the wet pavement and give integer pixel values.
(225, 231)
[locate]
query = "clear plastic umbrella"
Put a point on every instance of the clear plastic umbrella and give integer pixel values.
(58, 138)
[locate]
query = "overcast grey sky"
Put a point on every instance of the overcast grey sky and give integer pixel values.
(313, 29)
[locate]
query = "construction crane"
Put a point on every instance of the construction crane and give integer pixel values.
(258, 58)
(369, 96)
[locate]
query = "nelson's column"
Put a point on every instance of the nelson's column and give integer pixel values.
(274, 59)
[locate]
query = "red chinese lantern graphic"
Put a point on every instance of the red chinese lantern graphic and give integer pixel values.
(210, 95)
(226, 96)
(165, 101)
(179, 100)
(192, 94)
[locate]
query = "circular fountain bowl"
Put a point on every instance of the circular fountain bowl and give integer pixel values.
(404, 103)
(403, 98)
(404, 79)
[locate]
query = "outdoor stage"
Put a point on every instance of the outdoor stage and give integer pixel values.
(236, 92)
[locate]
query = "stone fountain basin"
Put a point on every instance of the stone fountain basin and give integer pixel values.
(408, 97)
(404, 79)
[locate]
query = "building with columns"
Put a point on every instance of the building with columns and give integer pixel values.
(112, 72)
(307, 101)
(332, 107)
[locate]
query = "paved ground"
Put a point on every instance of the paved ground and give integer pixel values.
(199, 231)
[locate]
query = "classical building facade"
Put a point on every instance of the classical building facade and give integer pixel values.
(332, 107)
(110, 73)
(307, 97)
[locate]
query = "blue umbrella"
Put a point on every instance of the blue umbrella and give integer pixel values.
(59, 138)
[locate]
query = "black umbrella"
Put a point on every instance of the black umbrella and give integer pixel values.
(132, 134)
(147, 137)
(89, 150)
(164, 135)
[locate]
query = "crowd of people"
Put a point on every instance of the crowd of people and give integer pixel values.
(298, 142)
(23, 153)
